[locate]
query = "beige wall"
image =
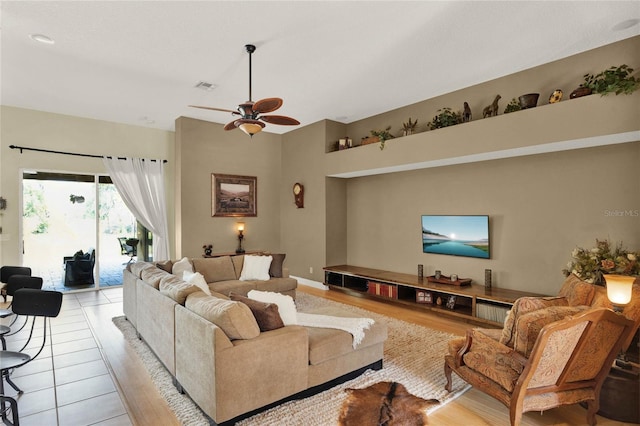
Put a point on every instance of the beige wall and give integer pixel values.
(540, 208)
(203, 148)
(44, 130)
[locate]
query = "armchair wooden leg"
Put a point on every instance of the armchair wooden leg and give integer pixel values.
(592, 408)
(447, 374)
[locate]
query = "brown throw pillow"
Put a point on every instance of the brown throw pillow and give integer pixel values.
(165, 265)
(266, 314)
(275, 270)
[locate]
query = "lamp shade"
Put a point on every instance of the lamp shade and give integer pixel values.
(251, 127)
(619, 288)
(240, 226)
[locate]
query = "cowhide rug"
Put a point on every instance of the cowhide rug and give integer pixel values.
(384, 404)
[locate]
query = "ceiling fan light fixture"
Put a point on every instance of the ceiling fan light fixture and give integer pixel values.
(251, 127)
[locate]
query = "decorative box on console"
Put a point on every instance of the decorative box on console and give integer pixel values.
(381, 289)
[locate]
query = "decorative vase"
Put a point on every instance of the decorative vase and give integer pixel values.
(208, 252)
(529, 101)
(579, 92)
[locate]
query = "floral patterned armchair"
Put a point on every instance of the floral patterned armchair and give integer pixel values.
(566, 363)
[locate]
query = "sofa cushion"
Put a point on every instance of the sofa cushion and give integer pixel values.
(239, 287)
(234, 318)
(238, 261)
(196, 278)
(279, 285)
(176, 288)
(275, 270)
(576, 291)
(180, 266)
(166, 265)
(266, 314)
(256, 268)
(286, 305)
(136, 268)
(329, 343)
(215, 269)
(152, 276)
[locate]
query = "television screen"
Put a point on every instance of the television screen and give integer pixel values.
(456, 235)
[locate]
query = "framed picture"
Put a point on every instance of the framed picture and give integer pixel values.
(451, 302)
(234, 196)
(424, 297)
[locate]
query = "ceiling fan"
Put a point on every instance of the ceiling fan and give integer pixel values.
(251, 118)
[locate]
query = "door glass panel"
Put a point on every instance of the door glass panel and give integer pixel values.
(116, 223)
(60, 242)
(59, 229)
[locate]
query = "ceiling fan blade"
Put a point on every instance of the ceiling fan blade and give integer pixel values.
(215, 109)
(280, 119)
(230, 126)
(267, 105)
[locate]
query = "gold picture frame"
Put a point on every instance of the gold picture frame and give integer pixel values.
(233, 196)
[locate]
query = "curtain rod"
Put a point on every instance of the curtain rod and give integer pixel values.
(21, 148)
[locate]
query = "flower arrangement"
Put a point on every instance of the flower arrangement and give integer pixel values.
(207, 249)
(591, 264)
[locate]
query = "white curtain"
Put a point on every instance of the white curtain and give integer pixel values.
(140, 183)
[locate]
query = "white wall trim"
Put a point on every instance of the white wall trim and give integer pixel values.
(311, 283)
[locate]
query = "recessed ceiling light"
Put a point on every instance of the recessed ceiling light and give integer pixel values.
(41, 38)
(624, 25)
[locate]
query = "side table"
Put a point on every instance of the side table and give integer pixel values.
(620, 394)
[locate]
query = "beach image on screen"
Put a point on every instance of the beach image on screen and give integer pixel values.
(456, 235)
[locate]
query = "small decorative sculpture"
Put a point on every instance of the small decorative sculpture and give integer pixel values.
(409, 128)
(466, 113)
(491, 110)
(556, 96)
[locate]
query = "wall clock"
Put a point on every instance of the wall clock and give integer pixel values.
(298, 195)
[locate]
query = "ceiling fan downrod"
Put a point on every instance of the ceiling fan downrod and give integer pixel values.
(250, 49)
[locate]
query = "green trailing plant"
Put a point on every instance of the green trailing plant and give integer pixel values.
(613, 80)
(446, 117)
(512, 106)
(382, 135)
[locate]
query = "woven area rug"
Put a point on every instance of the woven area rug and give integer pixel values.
(413, 356)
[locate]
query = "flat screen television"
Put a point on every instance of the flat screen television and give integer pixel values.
(456, 235)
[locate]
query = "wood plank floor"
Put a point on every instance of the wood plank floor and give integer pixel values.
(146, 407)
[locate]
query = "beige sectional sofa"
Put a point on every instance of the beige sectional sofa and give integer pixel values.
(214, 351)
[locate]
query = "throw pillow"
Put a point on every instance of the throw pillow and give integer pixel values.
(165, 265)
(286, 305)
(275, 270)
(180, 266)
(234, 318)
(196, 279)
(266, 314)
(256, 268)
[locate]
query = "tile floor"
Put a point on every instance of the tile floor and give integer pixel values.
(69, 383)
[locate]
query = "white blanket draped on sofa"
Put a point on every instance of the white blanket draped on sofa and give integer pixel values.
(354, 326)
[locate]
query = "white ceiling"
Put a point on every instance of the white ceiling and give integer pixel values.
(137, 62)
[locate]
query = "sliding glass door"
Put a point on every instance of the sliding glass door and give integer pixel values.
(72, 227)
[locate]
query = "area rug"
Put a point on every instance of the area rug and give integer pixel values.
(413, 356)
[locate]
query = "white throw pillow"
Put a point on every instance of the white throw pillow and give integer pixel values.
(286, 305)
(256, 268)
(180, 266)
(197, 279)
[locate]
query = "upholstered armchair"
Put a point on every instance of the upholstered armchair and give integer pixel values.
(566, 364)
